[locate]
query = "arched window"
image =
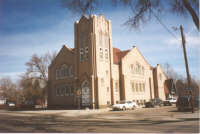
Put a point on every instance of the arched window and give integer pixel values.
(85, 84)
(64, 70)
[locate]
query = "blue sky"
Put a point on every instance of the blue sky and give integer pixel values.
(30, 27)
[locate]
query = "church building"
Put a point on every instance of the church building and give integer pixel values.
(95, 74)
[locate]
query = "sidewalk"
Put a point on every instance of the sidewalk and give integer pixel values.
(67, 112)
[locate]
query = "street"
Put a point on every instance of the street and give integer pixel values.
(152, 120)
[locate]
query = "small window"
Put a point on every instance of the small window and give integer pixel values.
(116, 87)
(106, 72)
(102, 81)
(108, 90)
(106, 54)
(101, 53)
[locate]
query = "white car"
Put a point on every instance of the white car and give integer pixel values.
(172, 100)
(11, 104)
(123, 105)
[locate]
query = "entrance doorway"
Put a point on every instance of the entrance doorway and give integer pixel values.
(85, 96)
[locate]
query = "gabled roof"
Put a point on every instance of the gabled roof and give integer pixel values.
(142, 56)
(118, 55)
(64, 48)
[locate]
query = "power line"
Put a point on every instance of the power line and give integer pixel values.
(163, 24)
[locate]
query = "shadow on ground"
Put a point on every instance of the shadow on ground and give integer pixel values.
(56, 123)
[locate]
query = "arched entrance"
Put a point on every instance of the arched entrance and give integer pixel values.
(85, 90)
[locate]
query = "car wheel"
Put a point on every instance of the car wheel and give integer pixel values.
(133, 107)
(124, 108)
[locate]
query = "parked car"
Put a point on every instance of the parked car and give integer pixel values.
(167, 103)
(123, 105)
(183, 103)
(172, 100)
(27, 105)
(11, 104)
(154, 102)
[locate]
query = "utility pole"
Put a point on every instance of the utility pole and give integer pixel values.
(185, 56)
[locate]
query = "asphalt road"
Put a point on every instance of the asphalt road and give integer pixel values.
(152, 120)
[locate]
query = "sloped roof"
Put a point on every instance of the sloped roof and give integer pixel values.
(118, 55)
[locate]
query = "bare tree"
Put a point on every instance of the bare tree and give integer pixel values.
(35, 81)
(38, 65)
(8, 89)
(142, 10)
(170, 72)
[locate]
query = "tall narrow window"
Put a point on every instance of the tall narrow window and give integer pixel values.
(140, 87)
(143, 87)
(86, 53)
(116, 87)
(81, 54)
(101, 53)
(136, 87)
(108, 90)
(133, 86)
(106, 54)
(102, 81)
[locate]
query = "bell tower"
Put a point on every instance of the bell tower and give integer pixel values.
(93, 47)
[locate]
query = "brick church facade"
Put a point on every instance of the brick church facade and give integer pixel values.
(95, 74)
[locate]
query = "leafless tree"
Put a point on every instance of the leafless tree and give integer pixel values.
(170, 72)
(37, 74)
(38, 65)
(142, 10)
(8, 89)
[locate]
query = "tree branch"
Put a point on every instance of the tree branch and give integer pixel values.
(192, 13)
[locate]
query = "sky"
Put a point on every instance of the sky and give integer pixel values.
(30, 27)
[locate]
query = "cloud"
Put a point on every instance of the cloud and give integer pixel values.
(191, 41)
